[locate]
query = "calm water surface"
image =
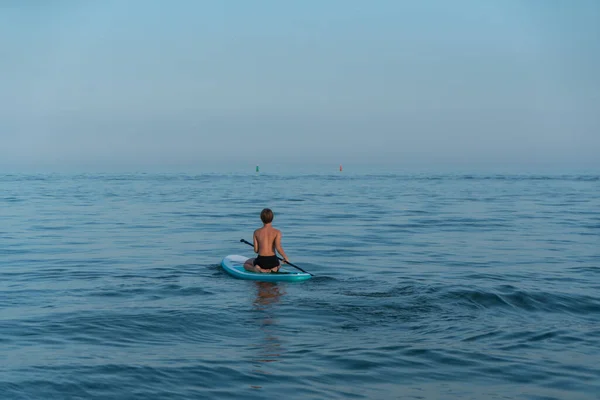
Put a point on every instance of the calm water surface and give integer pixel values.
(427, 286)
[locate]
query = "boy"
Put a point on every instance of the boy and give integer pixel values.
(266, 240)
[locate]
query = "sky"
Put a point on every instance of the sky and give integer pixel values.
(198, 84)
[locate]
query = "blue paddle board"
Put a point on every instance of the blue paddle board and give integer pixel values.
(234, 266)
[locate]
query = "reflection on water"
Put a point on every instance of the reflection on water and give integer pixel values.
(268, 294)
(268, 346)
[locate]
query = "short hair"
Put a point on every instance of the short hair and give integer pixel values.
(266, 216)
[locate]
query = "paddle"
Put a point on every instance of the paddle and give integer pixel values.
(288, 263)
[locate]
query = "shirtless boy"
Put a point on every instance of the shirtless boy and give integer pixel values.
(266, 240)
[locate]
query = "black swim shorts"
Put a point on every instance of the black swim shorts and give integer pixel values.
(266, 262)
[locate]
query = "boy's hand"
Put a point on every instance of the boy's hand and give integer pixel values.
(286, 261)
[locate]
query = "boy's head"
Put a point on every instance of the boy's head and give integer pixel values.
(266, 216)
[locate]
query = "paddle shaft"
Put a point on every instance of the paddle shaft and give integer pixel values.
(287, 262)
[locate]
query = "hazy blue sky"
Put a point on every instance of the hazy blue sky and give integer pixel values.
(135, 84)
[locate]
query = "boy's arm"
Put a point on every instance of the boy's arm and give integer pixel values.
(279, 248)
(255, 240)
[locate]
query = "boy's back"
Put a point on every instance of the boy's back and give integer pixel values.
(268, 239)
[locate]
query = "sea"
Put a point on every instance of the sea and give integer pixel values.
(426, 286)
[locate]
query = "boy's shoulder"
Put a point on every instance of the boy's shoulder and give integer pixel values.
(270, 228)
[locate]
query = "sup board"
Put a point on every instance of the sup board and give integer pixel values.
(234, 266)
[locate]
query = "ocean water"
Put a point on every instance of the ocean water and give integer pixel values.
(426, 286)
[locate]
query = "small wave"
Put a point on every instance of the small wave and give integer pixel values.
(528, 301)
(460, 223)
(12, 199)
